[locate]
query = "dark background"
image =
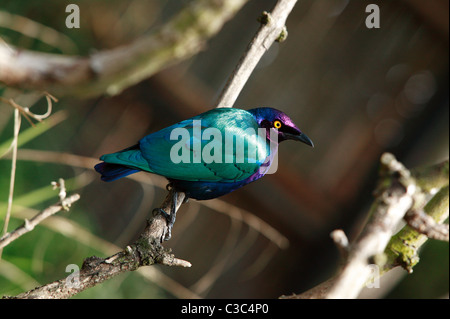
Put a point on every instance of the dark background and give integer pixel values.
(356, 92)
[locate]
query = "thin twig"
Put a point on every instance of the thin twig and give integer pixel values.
(29, 225)
(19, 108)
(425, 224)
(25, 111)
(272, 27)
(18, 111)
(17, 121)
(49, 99)
(61, 184)
(341, 241)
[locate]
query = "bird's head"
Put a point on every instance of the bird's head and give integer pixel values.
(270, 118)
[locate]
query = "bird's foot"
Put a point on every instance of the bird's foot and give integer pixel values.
(170, 218)
(170, 221)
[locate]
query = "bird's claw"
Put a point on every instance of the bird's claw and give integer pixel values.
(170, 221)
(170, 218)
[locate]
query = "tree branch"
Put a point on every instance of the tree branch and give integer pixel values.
(95, 270)
(18, 110)
(398, 196)
(425, 224)
(341, 241)
(402, 249)
(272, 29)
(64, 203)
(112, 71)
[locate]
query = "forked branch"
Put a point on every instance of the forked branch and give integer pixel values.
(400, 194)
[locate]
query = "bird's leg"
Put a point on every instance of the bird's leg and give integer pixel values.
(173, 215)
(170, 218)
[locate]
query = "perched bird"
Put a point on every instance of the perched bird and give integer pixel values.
(219, 151)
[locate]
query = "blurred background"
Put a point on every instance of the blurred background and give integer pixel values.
(356, 92)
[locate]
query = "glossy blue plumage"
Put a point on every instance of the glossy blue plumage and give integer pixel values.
(199, 177)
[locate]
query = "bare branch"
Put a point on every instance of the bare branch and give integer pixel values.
(112, 71)
(403, 248)
(398, 196)
(395, 198)
(29, 225)
(318, 292)
(61, 184)
(272, 29)
(95, 270)
(18, 111)
(341, 241)
(71, 229)
(12, 178)
(425, 224)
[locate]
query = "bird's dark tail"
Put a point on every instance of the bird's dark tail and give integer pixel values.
(111, 172)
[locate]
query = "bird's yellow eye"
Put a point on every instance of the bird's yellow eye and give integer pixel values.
(277, 124)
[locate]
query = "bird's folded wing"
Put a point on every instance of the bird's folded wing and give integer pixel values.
(200, 149)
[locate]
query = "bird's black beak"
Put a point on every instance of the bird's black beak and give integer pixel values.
(302, 137)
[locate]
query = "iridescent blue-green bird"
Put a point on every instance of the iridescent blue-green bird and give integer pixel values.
(191, 164)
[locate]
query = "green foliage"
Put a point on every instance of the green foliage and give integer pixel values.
(430, 277)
